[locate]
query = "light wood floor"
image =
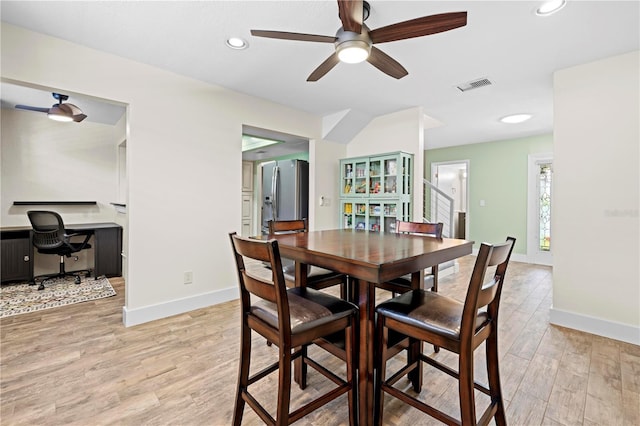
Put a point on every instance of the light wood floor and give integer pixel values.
(78, 365)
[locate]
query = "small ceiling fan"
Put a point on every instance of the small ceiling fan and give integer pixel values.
(354, 41)
(60, 111)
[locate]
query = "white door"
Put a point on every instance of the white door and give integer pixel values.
(539, 241)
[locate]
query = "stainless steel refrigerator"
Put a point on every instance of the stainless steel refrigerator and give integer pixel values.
(285, 191)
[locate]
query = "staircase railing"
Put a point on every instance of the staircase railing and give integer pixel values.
(438, 207)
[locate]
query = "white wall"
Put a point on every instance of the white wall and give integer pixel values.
(324, 163)
(184, 165)
(44, 160)
(399, 131)
(596, 196)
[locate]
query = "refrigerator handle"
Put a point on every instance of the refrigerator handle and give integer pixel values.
(274, 192)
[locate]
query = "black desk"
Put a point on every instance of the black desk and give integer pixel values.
(17, 250)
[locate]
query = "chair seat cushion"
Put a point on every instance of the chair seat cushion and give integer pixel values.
(313, 273)
(405, 281)
(308, 308)
(429, 311)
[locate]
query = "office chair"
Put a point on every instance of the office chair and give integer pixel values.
(50, 237)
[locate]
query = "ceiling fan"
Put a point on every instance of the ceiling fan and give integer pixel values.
(60, 111)
(354, 41)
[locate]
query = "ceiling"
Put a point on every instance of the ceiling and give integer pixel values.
(504, 42)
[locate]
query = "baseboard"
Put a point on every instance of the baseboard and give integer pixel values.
(131, 317)
(611, 329)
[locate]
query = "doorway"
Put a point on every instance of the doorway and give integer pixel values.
(539, 187)
(450, 205)
(261, 146)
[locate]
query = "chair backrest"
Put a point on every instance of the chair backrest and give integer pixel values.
(481, 293)
(48, 229)
(287, 226)
(430, 229)
(273, 290)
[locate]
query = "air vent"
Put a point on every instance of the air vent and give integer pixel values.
(480, 82)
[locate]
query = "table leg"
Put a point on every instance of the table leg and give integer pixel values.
(299, 367)
(366, 304)
(413, 353)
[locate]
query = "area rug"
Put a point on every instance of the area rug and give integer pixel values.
(23, 298)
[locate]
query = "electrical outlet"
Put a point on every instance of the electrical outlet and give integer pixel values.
(188, 277)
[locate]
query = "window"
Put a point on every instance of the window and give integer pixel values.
(544, 205)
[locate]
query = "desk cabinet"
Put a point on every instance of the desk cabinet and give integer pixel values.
(107, 243)
(17, 250)
(17, 253)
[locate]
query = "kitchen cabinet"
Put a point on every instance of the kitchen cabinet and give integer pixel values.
(247, 176)
(247, 199)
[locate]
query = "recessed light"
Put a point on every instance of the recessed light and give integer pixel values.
(237, 43)
(515, 118)
(549, 7)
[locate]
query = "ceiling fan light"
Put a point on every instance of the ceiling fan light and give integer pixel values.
(58, 114)
(353, 51)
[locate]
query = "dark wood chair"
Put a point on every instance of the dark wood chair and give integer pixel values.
(403, 284)
(427, 316)
(289, 318)
(317, 278)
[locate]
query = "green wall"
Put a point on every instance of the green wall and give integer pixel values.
(498, 175)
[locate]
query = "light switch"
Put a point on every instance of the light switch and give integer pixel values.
(325, 201)
(481, 203)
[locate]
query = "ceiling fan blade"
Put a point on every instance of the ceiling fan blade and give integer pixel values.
(350, 13)
(419, 27)
(386, 63)
(30, 108)
(293, 36)
(73, 111)
(324, 68)
(78, 118)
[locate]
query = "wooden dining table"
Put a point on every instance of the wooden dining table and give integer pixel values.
(368, 258)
